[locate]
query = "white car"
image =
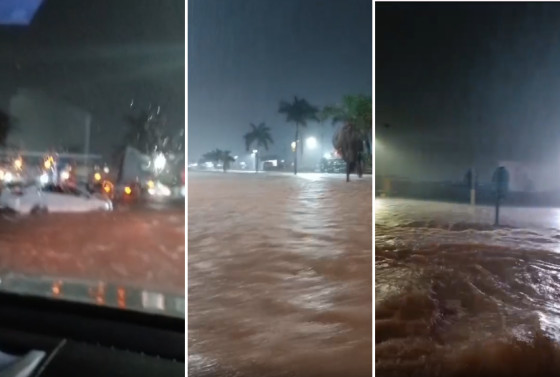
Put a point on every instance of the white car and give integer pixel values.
(51, 198)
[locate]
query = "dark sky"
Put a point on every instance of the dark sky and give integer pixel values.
(455, 81)
(247, 55)
(99, 55)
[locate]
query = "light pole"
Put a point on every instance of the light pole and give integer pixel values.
(87, 141)
(293, 145)
(256, 156)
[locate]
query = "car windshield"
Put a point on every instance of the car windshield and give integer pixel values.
(92, 107)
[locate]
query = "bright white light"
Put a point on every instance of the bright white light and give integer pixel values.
(235, 157)
(106, 169)
(18, 163)
(164, 190)
(311, 142)
(44, 178)
(8, 177)
(255, 151)
(159, 162)
(64, 175)
(293, 145)
(151, 191)
(327, 155)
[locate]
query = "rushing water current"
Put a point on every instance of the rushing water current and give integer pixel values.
(457, 296)
(279, 275)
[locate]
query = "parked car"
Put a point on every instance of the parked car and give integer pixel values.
(51, 198)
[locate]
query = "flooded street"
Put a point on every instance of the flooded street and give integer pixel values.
(280, 276)
(456, 296)
(139, 247)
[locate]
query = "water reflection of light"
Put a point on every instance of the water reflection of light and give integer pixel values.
(121, 297)
(57, 288)
(152, 300)
(310, 176)
(98, 294)
(550, 324)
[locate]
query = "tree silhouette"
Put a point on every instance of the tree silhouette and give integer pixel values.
(217, 156)
(299, 111)
(7, 125)
(258, 137)
(145, 131)
(356, 111)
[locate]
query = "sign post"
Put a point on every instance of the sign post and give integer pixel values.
(501, 186)
(470, 177)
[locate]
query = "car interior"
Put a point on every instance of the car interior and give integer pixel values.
(46, 337)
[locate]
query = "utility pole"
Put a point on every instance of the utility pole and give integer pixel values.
(473, 186)
(87, 140)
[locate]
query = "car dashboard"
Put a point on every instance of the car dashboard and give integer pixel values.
(42, 337)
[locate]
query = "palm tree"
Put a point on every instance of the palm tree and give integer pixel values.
(355, 110)
(145, 131)
(219, 155)
(6, 126)
(300, 112)
(226, 159)
(259, 136)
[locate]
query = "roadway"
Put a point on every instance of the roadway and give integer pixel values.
(141, 245)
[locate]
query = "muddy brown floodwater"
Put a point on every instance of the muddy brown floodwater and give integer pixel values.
(455, 296)
(280, 275)
(139, 248)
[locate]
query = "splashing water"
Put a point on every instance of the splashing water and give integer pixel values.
(457, 296)
(279, 275)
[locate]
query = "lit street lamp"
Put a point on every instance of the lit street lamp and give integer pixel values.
(159, 162)
(18, 163)
(311, 142)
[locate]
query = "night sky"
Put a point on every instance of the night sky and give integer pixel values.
(247, 55)
(458, 83)
(99, 55)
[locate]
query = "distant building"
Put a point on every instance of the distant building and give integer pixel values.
(43, 123)
(531, 177)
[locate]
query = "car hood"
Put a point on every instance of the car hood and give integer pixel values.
(95, 293)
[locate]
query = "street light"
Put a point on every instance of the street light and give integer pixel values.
(18, 163)
(159, 162)
(44, 178)
(311, 142)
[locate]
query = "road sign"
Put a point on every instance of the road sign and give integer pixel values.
(501, 186)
